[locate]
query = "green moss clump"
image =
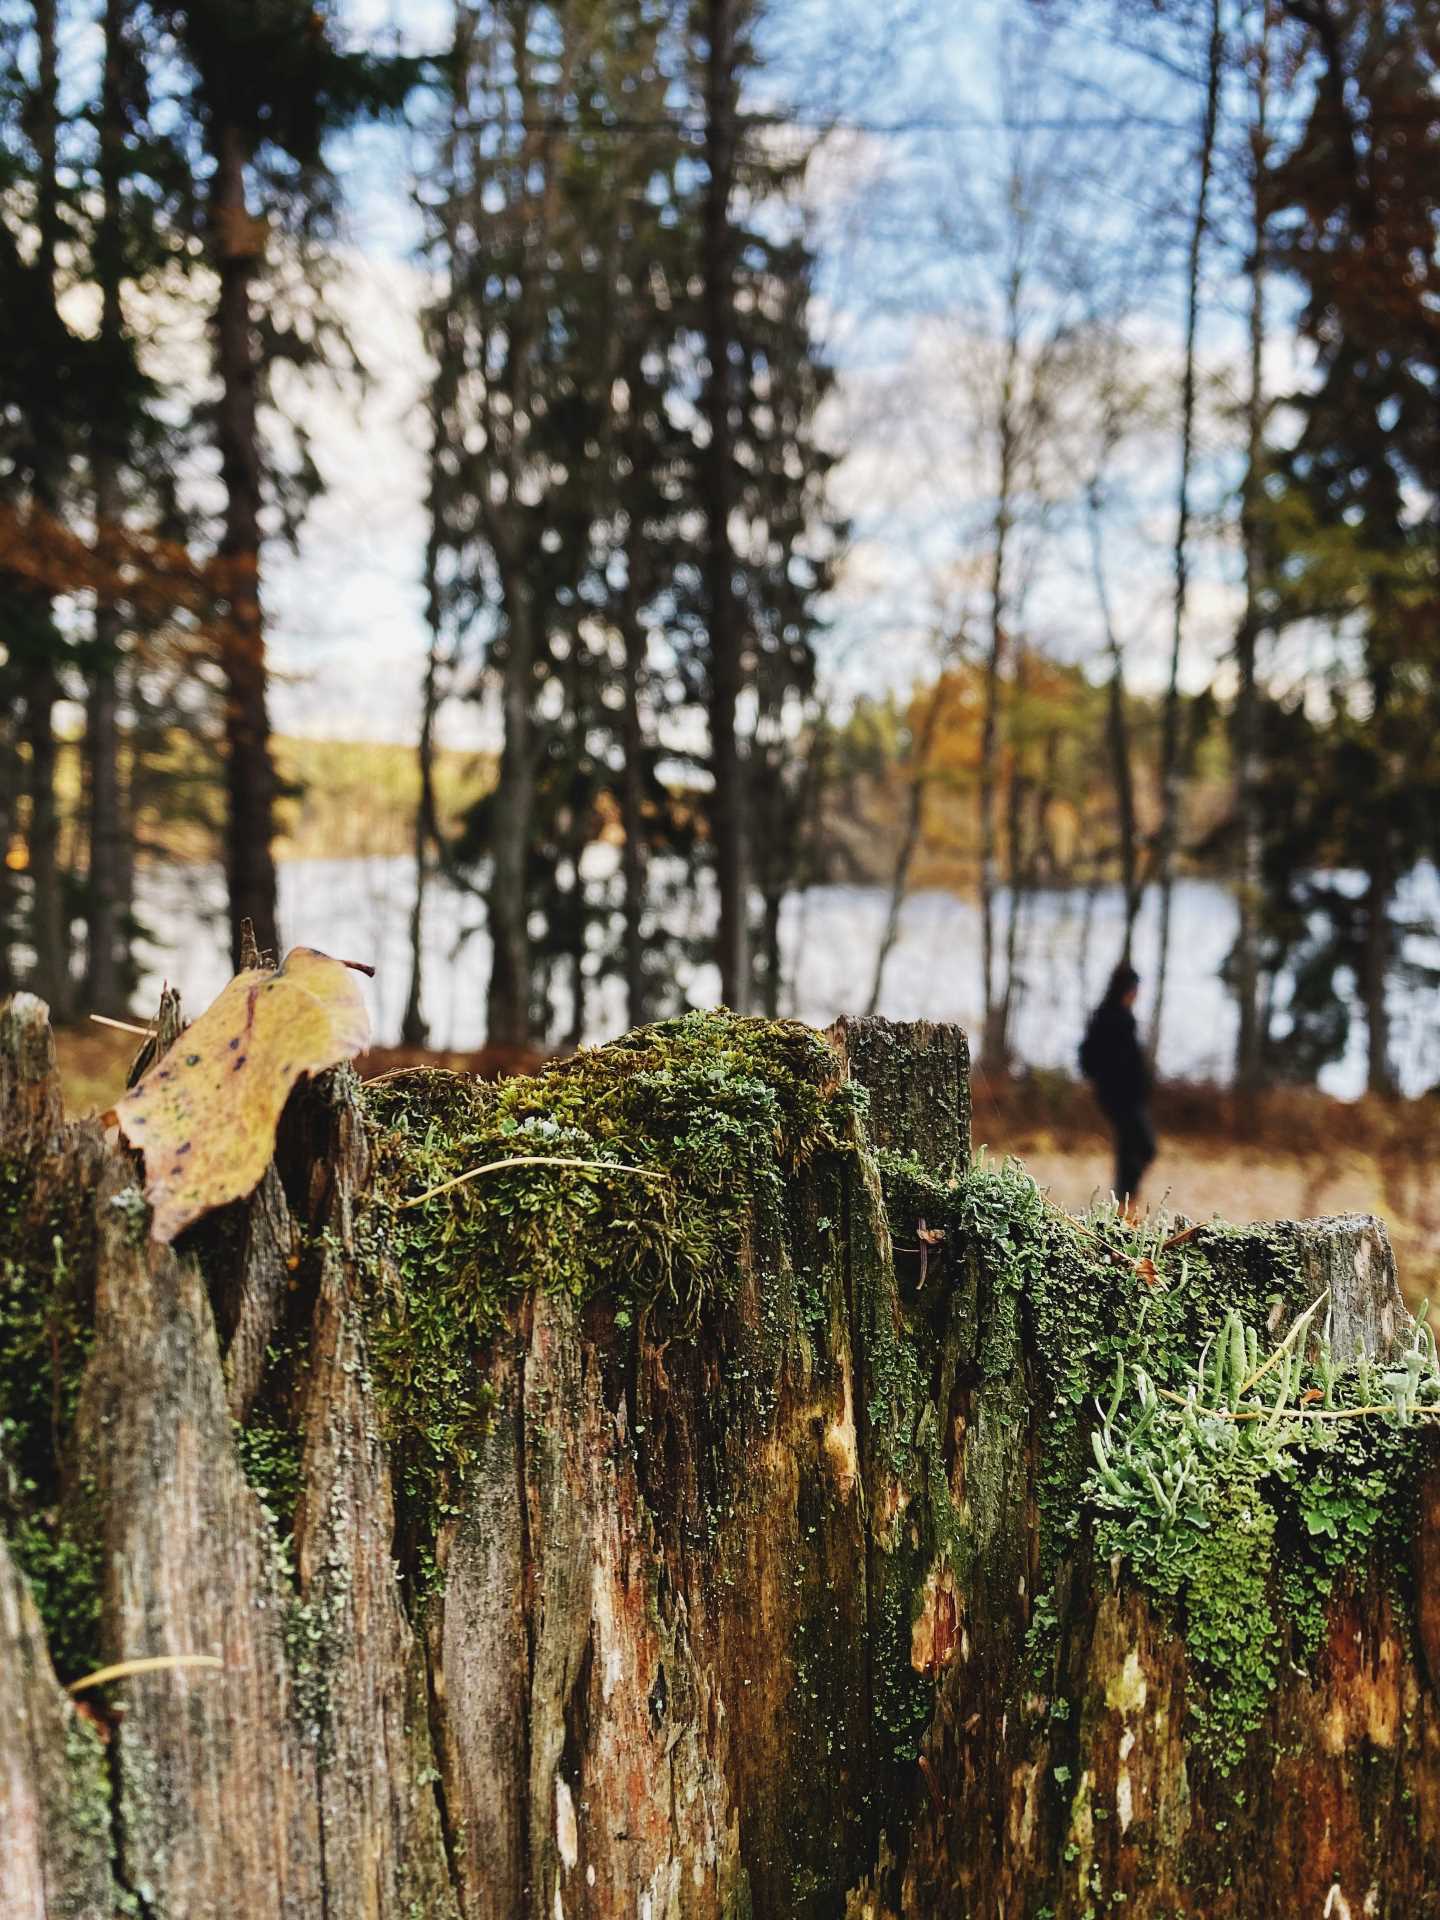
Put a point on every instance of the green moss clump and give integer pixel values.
(1245, 1497)
(682, 1129)
(1246, 1552)
(711, 1109)
(1354, 1499)
(993, 1214)
(1216, 1569)
(1091, 1311)
(46, 1332)
(270, 1453)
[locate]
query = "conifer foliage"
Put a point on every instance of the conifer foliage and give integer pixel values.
(1357, 212)
(629, 531)
(162, 163)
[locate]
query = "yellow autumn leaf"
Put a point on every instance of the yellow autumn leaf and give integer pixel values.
(205, 1115)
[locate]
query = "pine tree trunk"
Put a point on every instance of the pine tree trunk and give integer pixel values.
(414, 1028)
(48, 928)
(107, 906)
(51, 972)
(414, 1031)
(1375, 975)
(249, 769)
(772, 958)
(633, 861)
(727, 806)
(748, 1617)
(511, 991)
(107, 898)
(578, 916)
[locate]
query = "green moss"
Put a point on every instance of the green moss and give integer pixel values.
(1353, 1500)
(46, 1331)
(1246, 1562)
(64, 1563)
(1217, 1570)
(1242, 1499)
(270, 1446)
(685, 1129)
(270, 1456)
(712, 1109)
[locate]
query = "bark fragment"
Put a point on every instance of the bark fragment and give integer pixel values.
(54, 1800)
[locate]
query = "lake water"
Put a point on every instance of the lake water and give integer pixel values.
(360, 909)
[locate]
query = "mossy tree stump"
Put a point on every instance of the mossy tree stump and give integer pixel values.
(702, 1520)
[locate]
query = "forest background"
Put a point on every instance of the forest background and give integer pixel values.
(615, 504)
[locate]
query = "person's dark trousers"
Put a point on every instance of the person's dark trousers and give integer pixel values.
(1134, 1148)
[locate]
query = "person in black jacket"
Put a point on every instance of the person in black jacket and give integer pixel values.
(1112, 1061)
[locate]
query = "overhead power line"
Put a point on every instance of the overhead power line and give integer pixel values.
(915, 123)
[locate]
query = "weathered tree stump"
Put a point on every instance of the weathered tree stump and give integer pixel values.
(700, 1521)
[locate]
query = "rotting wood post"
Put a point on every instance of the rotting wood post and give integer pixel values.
(795, 1605)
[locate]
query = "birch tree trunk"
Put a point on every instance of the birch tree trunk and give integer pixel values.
(1170, 768)
(766, 1613)
(1117, 731)
(1250, 1039)
(994, 1041)
(922, 747)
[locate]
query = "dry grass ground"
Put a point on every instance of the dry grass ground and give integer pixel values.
(1304, 1155)
(93, 1062)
